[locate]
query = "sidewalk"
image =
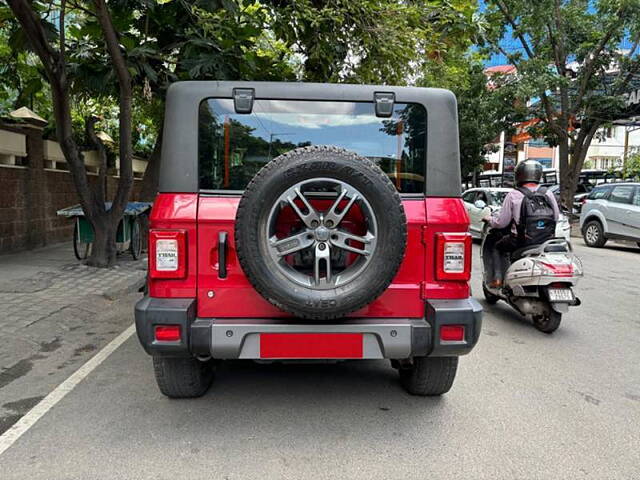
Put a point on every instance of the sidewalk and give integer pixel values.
(54, 313)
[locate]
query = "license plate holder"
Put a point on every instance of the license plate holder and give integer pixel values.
(561, 295)
(311, 345)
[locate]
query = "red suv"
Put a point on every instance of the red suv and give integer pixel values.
(308, 221)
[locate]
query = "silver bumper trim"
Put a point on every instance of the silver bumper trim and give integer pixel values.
(235, 338)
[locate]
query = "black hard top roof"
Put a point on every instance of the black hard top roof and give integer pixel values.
(179, 162)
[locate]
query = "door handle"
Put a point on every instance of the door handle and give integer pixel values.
(222, 254)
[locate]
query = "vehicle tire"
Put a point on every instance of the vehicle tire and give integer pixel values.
(548, 323)
(182, 377)
(489, 297)
(593, 234)
(136, 239)
(429, 376)
(80, 250)
(638, 243)
(278, 188)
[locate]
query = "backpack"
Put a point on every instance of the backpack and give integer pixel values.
(537, 224)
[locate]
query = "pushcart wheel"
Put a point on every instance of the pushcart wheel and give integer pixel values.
(80, 250)
(136, 240)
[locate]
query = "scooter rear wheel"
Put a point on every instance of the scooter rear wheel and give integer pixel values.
(489, 297)
(548, 323)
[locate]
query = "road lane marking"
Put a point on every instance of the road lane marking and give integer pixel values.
(9, 437)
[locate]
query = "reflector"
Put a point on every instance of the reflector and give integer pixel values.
(452, 333)
(167, 333)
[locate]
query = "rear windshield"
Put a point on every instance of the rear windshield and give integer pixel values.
(233, 147)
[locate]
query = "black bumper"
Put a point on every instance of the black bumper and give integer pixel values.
(236, 338)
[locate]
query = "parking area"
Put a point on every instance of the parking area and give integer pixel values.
(524, 405)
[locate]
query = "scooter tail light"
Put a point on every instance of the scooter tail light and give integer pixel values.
(167, 253)
(453, 256)
(555, 270)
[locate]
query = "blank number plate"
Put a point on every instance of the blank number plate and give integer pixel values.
(560, 295)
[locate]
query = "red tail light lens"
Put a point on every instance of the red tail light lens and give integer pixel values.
(452, 333)
(167, 254)
(167, 333)
(453, 256)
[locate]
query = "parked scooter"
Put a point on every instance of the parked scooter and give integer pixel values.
(538, 283)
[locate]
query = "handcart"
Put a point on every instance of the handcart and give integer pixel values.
(128, 237)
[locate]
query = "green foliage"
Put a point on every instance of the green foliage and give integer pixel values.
(570, 61)
(368, 41)
(631, 168)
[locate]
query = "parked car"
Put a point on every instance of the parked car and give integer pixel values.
(611, 212)
(342, 237)
(582, 191)
(478, 200)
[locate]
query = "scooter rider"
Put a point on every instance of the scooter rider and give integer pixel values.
(506, 236)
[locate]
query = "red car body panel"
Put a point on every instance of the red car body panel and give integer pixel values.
(203, 217)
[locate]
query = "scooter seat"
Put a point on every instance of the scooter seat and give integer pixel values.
(519, 253)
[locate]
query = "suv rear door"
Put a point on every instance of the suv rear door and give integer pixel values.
(234, 146)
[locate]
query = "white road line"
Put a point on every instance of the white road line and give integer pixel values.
(9, 437)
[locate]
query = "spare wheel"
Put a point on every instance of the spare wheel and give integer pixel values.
(320, 232)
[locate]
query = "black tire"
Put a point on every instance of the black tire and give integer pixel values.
(136, 239)
(308, 163)
(593, 234)
(429, 376)
(80, 250)
(489, 297)
(182, 377)
(548, 323)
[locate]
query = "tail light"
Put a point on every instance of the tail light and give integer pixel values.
(453, 256)
(565, 269)
(167, 253)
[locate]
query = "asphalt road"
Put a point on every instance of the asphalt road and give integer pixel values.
(525, 405)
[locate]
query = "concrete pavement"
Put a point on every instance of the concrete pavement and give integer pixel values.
(54, 314)
(525, 405)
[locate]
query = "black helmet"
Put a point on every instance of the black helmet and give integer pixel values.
(528, 171)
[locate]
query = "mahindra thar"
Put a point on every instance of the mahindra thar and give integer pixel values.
(302, 221)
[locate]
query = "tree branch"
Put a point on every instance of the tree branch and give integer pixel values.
(125, 101)
(507, 15)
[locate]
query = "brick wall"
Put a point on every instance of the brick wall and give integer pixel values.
(13, 211)
(30, 197)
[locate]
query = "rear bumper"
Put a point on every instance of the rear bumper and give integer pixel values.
(232, 338)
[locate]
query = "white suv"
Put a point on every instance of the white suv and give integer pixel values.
(611, 212)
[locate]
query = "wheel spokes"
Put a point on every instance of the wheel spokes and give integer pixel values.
(292, 244)
(340, 238)
(332, 218)
(322, 255)
(308, 218)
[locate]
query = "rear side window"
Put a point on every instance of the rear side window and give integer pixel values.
(469, 196)
(622, 194)
(233, 147)
(599, 193)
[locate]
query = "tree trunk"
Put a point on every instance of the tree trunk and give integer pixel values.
(565, 173)
(104, 250)
(152, 173)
